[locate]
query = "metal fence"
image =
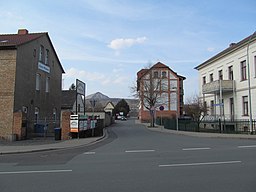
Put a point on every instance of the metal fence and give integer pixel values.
(39, 128)
(213, 126)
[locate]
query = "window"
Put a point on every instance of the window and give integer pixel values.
(243, 70)
(47, 84)
(220, 75)
(204, 80)
(205, 108)
(41, 53)
(164, 74)
(211, 77)
(230, 73)
(47, 57)
(232, 111)
(212, 107)
(34, 53)
(245, 105)
(155, 74)
(38, 79)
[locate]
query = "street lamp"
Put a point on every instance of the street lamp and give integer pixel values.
(249, 83)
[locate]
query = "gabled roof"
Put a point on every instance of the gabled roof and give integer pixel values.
(160, 65)
(142, 72)
(16, 39)
(68, 98)
(231, 48)
(12, 41)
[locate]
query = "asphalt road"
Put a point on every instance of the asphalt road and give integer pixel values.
(134, 158)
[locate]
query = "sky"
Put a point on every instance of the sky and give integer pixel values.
(104, 43)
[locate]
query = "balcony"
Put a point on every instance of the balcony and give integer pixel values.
(216, 86)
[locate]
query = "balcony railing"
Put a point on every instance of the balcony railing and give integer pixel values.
(217, 86)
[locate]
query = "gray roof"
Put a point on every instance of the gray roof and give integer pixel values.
(68, 99)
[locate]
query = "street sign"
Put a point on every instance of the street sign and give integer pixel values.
(218, 104)
(74, 126)
(161, 108)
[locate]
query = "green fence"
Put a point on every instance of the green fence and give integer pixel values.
(237, 127)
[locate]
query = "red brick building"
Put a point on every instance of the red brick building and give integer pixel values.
(167, 88)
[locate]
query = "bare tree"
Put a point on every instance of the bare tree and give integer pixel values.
(196, 109)
(148, 92)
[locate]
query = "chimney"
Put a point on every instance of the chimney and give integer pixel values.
(232, 44)
(22, 32)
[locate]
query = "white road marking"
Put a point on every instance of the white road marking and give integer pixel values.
(248, 146)
(140, 151)
(89, 153)
(198, 164)
(29, 172)
(195, 149)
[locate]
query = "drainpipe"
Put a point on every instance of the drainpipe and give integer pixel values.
(249, 83)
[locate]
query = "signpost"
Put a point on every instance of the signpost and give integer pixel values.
(80, 90)
(161, 108)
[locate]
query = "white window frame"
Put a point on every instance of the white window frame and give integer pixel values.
(47, 85)
(41, 53)
(245, 105)
(47, 57)
(38, 81)
(243, 67)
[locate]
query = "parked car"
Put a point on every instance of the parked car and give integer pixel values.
(123, 118)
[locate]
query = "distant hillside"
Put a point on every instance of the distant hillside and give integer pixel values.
(97, 96)
(102, 100)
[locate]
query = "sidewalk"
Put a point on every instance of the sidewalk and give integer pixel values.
(198, 134)
(46, 145)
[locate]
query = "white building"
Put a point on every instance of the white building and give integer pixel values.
(224, 82)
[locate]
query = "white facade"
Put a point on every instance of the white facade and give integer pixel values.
(224, 81)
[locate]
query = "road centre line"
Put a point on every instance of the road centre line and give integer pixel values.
(29, 172)
(89, 153)
(140, 151)
(195, 149)
(198, 164)
(248, 146)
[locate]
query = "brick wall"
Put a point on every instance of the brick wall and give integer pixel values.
(7, 79)
(145, 115)
(17, 124)
(65, 125)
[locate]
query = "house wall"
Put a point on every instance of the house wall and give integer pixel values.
(170, 95)
(241, 87)
(7, 89)
(26, 95)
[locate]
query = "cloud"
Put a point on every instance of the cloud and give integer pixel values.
(121, 43)
(96, 77)
(210, 49)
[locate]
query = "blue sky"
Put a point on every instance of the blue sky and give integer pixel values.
(105, 42)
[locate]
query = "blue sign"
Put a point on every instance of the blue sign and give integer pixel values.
(161, 108)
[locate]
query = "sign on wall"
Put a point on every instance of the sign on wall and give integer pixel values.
(43, 67)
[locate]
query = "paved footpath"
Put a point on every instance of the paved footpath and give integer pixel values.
(42, 144)
(198, 134)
